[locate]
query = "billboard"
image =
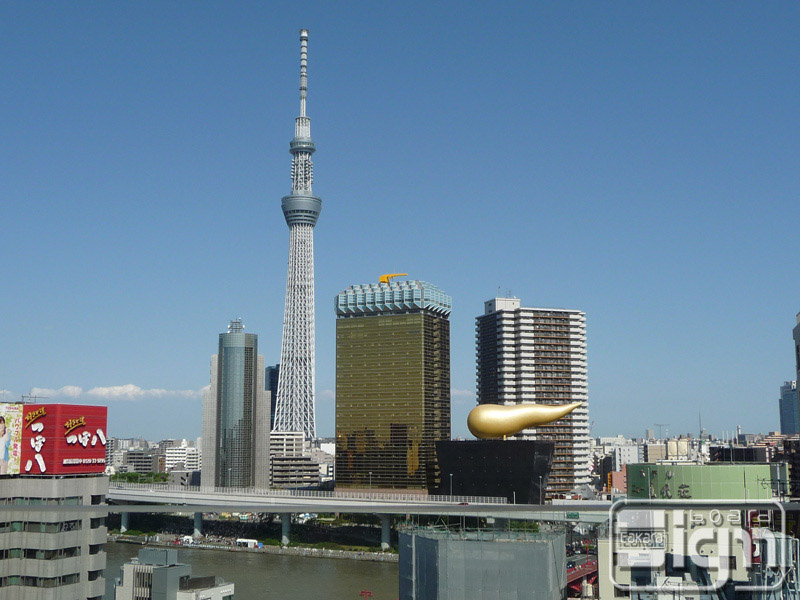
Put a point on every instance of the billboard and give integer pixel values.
(52, 439)
(10, 438)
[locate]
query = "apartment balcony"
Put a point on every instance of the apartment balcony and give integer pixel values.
(96, 588)
(96, 562)
(98, 535)
(43, 541)
(31, 567)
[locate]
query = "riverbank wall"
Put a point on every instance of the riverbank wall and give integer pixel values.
(291, 551)
(364, 537)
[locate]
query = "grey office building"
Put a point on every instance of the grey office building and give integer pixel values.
(439, 564)
(156, 574)
(789, 409)
(53, 554)
(236, 414)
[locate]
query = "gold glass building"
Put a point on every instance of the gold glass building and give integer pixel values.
(392, 385)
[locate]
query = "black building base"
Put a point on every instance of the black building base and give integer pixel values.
(512, 468)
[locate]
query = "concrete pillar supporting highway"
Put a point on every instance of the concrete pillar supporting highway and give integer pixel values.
(124, 522)
(198, 525)
(386, 532)
(286, 520)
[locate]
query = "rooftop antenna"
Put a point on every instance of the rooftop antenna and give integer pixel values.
(661, 429)
(32, 398)
(303, 73)
(4, 392)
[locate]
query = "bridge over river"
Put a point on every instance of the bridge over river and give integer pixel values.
(128, 498)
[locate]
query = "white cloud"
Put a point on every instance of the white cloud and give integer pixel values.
(130, 391)
(464, 397)
(68, 391)
(327, 395)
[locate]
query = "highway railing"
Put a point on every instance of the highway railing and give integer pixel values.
(340, 495)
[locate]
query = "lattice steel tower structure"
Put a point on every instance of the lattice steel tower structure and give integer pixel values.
(294, 410)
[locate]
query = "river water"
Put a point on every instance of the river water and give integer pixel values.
(274, 576)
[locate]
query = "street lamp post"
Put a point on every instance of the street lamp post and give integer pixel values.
(370, 482)
(540, 489)
(451, 484)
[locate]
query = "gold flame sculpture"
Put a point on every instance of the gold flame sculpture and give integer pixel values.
(489, 421)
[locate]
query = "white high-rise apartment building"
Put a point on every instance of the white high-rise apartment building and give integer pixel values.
(185, 454)
(538, 355)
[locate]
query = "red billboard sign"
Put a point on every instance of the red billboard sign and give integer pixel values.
(54, 439)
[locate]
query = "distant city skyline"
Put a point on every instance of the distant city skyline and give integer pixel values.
(637, 162)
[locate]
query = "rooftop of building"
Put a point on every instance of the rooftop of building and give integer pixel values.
(398, 296)
(158, 556)
(201, 583)
(443, 532)
(500, 304)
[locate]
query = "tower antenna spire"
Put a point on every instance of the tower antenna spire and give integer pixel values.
(303, 72)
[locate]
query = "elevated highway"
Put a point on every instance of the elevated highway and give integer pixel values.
(146, 497)
(126, 498)
(151, 498)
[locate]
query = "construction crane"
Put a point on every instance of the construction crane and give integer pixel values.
(389, 276)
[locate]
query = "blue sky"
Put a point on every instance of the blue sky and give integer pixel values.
(637, 161)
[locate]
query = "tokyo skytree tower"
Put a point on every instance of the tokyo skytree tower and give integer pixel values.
(294, 409)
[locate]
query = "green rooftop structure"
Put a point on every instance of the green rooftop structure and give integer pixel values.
(716, 481)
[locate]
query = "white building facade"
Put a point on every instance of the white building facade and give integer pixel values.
(188, 456)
